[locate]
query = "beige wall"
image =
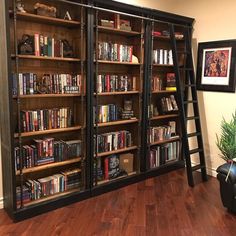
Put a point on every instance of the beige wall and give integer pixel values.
(214, 20)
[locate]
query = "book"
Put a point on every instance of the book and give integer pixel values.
(125, 25)
(111, 167)
(126, 162)
(107, 23)
(170, 81)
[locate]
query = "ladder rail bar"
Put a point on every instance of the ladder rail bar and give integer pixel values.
(181, 107)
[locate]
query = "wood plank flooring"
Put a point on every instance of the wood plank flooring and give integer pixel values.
(164, 205)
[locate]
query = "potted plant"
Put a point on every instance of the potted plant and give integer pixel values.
(226, 143)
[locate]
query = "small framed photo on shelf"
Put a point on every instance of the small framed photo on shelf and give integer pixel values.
(216, 66)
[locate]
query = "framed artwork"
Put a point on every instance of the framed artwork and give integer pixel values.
(216, 66)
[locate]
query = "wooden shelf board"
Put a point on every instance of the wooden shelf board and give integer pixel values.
(116, 151)
(164, 91)
(118, 122)
(50, 197)
(172, 139)
(118, 31)
(161, 37)
(50, 131)
(46, 58)
(118, 178)
(118, 63)
(48, 166)
(47, 20)
(162, 65)
(168, 163)
(49, 95)
(116, 93)
(160, 117)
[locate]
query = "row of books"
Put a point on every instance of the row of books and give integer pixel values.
(115, 83)
(114, 52)
(105, 113)
(113, 166)
(169, 104)
(159, 133)
(166, 33)
(30, 83)
(117, 23)
(112, 141)
(39, 120)
(43, 187)
(45, 151)
(48, 46)
(162, 56)
(160, 155)
(157, 84)
(168, 83)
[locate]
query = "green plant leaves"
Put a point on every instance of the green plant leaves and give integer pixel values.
(227, 141)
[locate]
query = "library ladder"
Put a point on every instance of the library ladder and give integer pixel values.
(188, 102)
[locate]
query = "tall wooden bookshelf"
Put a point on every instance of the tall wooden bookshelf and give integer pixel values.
(117, 97)
(164, 132)
(79, 125)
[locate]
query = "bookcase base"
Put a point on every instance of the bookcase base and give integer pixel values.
(53, 204)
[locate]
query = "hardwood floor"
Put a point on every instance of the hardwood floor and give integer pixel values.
(164, 205)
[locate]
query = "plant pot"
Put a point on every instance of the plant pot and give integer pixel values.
(227, 188)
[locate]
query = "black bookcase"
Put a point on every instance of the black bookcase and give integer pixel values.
(80, 125)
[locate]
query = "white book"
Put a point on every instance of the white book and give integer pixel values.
(165, 57)
(21, 83)
(161, 61)
(170, 58)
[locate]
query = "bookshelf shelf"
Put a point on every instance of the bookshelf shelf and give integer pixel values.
(167, 38)
(172, 139)
(49, 95)
(46, 58)
(116, 93)
(161, 37)
(51, 131)
(160, 117)
(116, 179)
(119, 122)
(162, 65)
(168, 163)
(51, 197)
(118, 31)
(116, 151)
(49, 166)
(47, 20)
(163, 91)
(118, 63)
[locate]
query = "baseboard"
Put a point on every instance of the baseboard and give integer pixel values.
(210, 171)
(1, 202)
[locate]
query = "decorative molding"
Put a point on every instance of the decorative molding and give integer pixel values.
(210, 171)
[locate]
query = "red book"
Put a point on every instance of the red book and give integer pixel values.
(106, 169)
(108, 83)
(117, 21)
(57, 48)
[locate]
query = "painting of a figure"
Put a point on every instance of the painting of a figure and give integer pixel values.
(216, 63)
(216, 66)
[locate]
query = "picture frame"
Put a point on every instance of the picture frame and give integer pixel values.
(216, 65)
